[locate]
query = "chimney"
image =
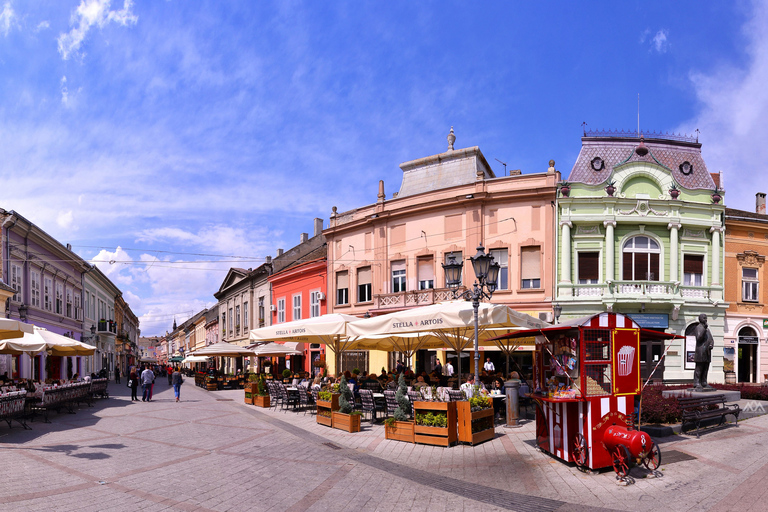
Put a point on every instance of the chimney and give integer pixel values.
(69, 246)
(318, 226)
(760, 203)
(303, 238)
(268, 259)
(279, 252)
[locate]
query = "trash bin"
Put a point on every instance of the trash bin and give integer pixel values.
(512, 388)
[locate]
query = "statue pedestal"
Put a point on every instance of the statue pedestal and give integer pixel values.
(730, 396)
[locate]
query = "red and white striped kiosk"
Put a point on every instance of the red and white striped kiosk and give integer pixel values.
(585, 378)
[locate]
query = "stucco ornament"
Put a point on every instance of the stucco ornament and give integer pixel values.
(642, 209)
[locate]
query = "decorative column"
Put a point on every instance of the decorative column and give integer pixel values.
(715, 253)
(565, 256)
(610, 249)
(674, 271)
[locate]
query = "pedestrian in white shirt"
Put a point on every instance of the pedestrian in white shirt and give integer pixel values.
(488, 366)
(147, 378)
(448, 369)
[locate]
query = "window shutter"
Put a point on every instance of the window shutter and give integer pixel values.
(654, 267)
(342, 280)
(426, 269)
(589, 265)
(627, 263)
(364, 276)
(531, 264)
(693, 264)
(398, 265)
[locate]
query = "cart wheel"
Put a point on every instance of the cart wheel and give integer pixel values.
(621, 461)
(580, 452)
(653, 460)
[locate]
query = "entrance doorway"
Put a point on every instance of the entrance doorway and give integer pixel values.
(747, 354)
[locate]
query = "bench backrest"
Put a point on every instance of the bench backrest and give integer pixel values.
(690, 402)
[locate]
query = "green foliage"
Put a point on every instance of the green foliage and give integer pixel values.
(325, 396)
(261, 387)
(389, 421)
(478, 403)
(287, 373)
(346, 398)
(403, 409)
(252, 377)
(437, 419)
(356, 371)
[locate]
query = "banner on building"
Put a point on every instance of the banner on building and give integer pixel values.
(690, 352)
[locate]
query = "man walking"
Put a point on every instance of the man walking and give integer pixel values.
(117, 375)
(147, 378)
(488, 366)
(448, 369)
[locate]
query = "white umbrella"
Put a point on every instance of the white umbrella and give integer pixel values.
(19, 338)
(278, 349)
(10, 329)
(223, 349)
(63, 346)
(195, 359)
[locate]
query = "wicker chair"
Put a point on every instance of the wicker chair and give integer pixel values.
(274, 394)
(415, 396)
(303, 398)
(288, 399)
(389, 396)
(456, 395)
(367, 404)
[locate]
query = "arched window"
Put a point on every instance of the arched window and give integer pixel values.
(640, 259)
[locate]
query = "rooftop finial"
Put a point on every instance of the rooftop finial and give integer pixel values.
(451, 139)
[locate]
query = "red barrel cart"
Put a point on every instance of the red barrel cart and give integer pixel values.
(585, 378)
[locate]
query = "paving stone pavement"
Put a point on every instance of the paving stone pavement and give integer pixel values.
(212, 452)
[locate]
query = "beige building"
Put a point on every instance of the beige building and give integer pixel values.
(388, 256)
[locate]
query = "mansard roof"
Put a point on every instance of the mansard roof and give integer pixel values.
(616, 151)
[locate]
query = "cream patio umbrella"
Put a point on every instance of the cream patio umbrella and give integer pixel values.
(59, 345)
(452, 322)
(329, 330)
(19, 338)
(12, 329)
(278, 349)
(222, 349)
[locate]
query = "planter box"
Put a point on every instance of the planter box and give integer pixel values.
(332, 405)
(248, 397)
(212, 386)
(261, 401)
(437, 436)
(346, 422)
(323, 420)
(400, 431)
(466, 416)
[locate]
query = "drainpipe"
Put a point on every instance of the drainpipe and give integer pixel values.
(6, 264)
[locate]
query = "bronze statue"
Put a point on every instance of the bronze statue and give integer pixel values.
(704, 345)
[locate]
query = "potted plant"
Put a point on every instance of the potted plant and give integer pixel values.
(346, 418)
(261, 398)
(434, 422)
(674, 192)
(251, 388)
(476, 420)
(400, 428)
(565, 188)
(717, 195)
(287, 375)
(327, 402)
(610, 189)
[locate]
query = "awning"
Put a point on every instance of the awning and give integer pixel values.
(195, 359)
(176, 359)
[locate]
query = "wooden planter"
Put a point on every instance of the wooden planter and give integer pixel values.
(399, 431)
(248, 397)
(466, 416)
(437, 436)
(346, 422)
(261, 401)
(328, 406)
(211, 385)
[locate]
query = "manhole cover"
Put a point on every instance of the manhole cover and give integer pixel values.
(331, 445)
(672, 456)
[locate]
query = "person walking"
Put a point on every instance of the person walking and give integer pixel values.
(133, 383)
(147, 378)
(177, 382)
(117, 375)
(169, 373)
(152, 387)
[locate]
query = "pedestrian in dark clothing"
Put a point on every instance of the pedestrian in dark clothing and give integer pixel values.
(177, 382)
(133, 380)
(117, 375)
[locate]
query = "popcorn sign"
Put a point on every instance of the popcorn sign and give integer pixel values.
(626, 373)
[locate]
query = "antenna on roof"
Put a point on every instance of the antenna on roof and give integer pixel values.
(504, 164)
(638, 114)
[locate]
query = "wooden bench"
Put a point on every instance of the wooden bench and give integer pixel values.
(697, 409)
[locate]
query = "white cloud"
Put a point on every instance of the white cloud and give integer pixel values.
(64, 91)
(88, 14)
(659, 41)
(733, 104)
(43, 25)
(115, 265)
(64, 219)
(7, 18)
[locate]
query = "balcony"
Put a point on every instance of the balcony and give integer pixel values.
(106, 327)
(412, 298)
(636, 291)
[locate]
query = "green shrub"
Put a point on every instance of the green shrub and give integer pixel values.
(346, 398)
(287, 373)
(403, 409)
(325, 396)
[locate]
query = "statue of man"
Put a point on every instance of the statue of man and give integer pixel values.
(704, 345)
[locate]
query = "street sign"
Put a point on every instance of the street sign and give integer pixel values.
(651, 320)
(749, 340)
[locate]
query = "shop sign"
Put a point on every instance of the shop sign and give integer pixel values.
(748, 340)
(651, 320)
(765, 323)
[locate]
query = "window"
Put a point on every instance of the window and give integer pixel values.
(223, 323)
(59, 298)
(364, 284)
(530, 267)
(47, 291)
(245, 316)
(34, 281)
(749, 285)
(398, 276)
(589, 267)
(16, 282)
(342, 288)
(280, 311)
(297, 307)
(453, 257)
(501, 256)
(693, 270)
(237, 318)
(426, 274)
(314, 304)
(229, 325)
(78, 308)
(640, 259)
(69, 303)
(261, 311)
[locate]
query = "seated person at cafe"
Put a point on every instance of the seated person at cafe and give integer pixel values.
(469, 387)
(420, 383)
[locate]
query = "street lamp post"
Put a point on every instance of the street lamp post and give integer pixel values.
(487, 274)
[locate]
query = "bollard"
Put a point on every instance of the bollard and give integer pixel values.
(512, 387)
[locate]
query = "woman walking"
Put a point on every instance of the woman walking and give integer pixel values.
(177, 380)
(134, 381)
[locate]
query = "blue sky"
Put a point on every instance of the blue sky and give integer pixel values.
(179, 138)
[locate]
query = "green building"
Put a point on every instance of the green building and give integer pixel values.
(640, 224)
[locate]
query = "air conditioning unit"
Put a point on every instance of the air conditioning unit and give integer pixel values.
(546, 316)
(321, 296)
(273, 308)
